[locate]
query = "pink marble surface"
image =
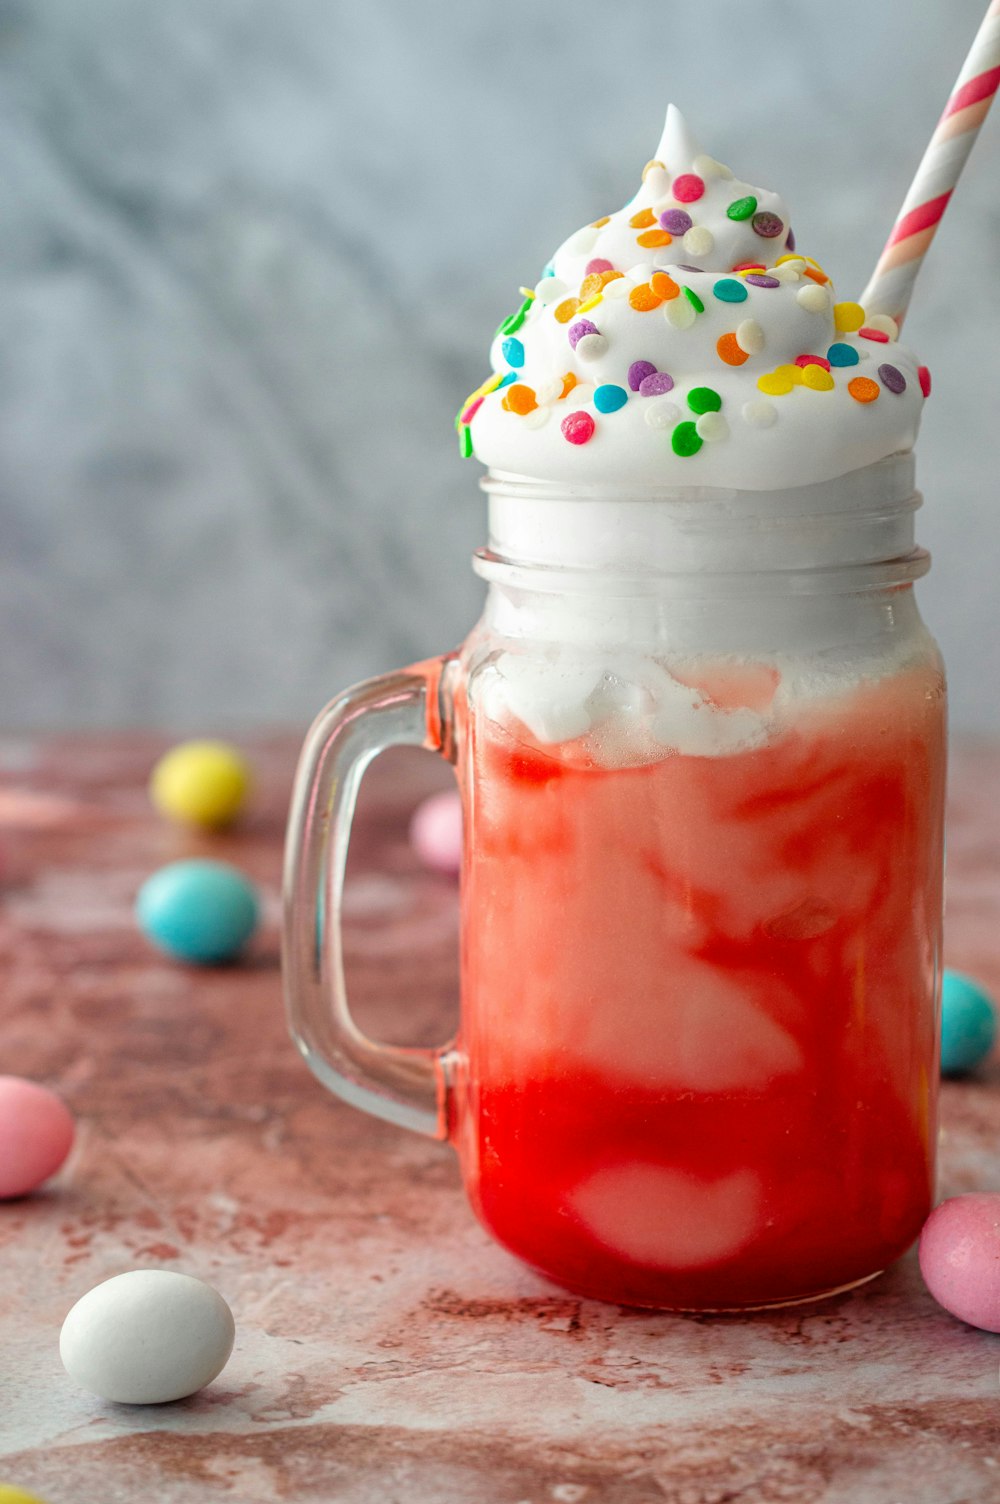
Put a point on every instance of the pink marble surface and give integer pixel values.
(386, 1351)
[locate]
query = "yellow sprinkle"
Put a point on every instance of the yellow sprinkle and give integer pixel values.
(653, 162)
(790, 373)
(598, 224)
(591, 303)
(527, 292)
(788, 256)
(848, 317)
(775, 384)
(817, 379)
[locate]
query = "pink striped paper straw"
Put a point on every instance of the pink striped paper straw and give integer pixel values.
(893, 278)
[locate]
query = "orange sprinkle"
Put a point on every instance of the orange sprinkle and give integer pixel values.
(566, 310)
(643, 299)
(664, 286)
(598, 224)
(569, 382)
(590, 286)
(607, 277)
(651, 238)
(816, 274)
(728, 350)
(643, 219)
(519, 399)
(863, 389)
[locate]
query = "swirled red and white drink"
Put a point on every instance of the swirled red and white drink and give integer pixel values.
(701, 747)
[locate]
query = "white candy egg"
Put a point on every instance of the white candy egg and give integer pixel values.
(147, 1337)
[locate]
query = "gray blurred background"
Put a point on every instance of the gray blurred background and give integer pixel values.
(251, 258)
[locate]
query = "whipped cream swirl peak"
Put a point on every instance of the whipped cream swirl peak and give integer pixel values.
(684, 341)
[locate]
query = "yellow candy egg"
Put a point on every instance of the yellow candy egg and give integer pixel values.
(200, 783)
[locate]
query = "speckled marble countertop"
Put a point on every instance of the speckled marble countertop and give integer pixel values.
(386, 1350)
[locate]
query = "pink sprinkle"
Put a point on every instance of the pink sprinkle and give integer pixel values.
(688, 187)
(744, 266)
(598, 265)
(578, 427)
(472, 410)
(812, 360)
(924, 377)
(876, 334)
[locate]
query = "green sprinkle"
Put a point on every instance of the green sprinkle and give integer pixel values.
(686, 439)
(702, 399)
(742, 208)
(512, 324)
(465, 441)
(694, 300)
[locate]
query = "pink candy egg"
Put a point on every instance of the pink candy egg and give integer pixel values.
(960, 1258)
(436, 832)
(36, 1134)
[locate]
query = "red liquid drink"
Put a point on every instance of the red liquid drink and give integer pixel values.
(699, 998)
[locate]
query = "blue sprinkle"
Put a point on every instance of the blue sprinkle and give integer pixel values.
(609, 398)
(842, 355)
(728, 290)
(510, 377)
(548, 270)
(968, 1024)
(513, 352)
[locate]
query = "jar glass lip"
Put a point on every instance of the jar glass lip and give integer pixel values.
(835, 579)
(884, 481)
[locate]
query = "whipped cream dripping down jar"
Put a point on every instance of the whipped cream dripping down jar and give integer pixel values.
(699, 738)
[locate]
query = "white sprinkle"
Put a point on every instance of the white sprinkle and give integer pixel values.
(797, 264)
(679, 313)
(750, 337)
(660, 412)
(885, 324)
(785, 273)
(708, 167)
(582, 392)
(814, 298)
(549, 391)
(550, 290)
(591, 347)
(537, 417)
(698, 241)
(711, 427)
(618, 287)
(657, 181)
(581, 241)
(760, 414)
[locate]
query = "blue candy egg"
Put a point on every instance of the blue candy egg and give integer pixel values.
(968, 1024)
(198, 910)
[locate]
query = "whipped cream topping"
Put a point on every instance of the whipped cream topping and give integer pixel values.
(683, 341)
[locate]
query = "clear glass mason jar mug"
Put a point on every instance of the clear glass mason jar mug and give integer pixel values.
(699, 739)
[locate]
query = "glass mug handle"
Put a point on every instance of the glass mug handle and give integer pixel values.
(408, 1087)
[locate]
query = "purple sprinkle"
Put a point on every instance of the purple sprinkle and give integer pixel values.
(790, 242)
(676, 221)
(767, 224)
(638, 372)
(576, 331)
(680, 267)
(656, 385)
(759, 281)
(892, 378)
